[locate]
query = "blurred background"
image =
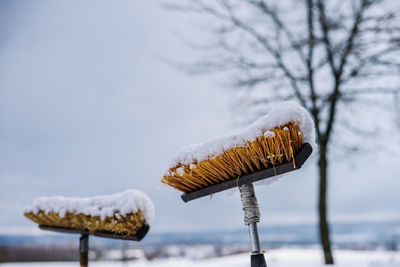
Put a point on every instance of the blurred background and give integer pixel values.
(97, 97)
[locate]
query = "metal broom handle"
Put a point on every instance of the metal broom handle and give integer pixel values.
(251, 218)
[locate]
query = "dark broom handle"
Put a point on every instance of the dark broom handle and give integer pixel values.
(257, 261)
(84, 250)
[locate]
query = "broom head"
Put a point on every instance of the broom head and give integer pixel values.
(121, 225)
(275, 147)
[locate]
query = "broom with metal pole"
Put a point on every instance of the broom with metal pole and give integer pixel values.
(277, 143)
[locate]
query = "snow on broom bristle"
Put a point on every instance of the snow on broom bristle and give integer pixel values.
(274, 147)
(122, 214)
(127, 224)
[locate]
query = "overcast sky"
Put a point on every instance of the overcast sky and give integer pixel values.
(88, 108)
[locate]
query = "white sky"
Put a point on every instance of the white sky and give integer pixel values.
(88, 108)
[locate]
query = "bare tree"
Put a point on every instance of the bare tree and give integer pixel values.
(327, 55)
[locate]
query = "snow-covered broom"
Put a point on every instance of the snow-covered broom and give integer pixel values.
(124, 215)
(274, 144)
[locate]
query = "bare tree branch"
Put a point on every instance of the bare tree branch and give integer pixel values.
(263, 41)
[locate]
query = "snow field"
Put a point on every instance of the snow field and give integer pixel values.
(275, 258)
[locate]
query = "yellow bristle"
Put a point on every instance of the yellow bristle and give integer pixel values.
(128, 224)
(262, 153)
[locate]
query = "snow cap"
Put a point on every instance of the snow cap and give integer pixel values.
(283, 113)
(104, 206)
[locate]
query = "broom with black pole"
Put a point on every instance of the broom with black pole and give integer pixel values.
(120, 216)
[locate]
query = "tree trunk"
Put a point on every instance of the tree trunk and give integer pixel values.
(323, 223)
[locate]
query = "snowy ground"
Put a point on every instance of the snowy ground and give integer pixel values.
(275, 258)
